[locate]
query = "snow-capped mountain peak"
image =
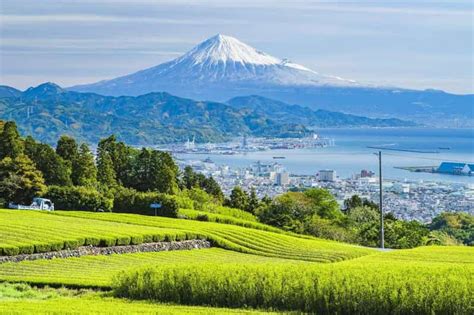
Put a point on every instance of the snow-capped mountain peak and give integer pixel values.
(223, 48)
(219, 63)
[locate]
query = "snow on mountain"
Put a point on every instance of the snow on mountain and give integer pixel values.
(220, 61)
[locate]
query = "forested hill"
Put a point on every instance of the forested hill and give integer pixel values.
(47, 111)
(280, 111)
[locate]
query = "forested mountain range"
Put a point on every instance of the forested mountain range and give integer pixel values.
(47, 111)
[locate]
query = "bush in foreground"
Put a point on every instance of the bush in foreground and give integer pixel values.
(344, 288)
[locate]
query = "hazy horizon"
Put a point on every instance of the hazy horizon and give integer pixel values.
(416, 46)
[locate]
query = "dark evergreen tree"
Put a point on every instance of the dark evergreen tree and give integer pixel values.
(84, 171)
(121, 156)
(238, 199)
(67, 148)
(253, 202)
(11, 144)
(188, 178)
(54, 169)
(105, 170)
(213, 189)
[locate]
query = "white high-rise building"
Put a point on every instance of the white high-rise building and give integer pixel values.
(327, 175)
(282, 179)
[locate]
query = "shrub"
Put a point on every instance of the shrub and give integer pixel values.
(26, 249)
(71, 244)
(10, 250)
(43, 248)
(78, 198)
(55, 246)
(92, 241)
(137, 240)
(202, 217)
(123, 240)
(131, 201)
(107, 242)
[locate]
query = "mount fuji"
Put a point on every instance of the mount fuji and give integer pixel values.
(222, 67)
(220, 60)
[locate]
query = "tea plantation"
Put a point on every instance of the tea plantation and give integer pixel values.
(251, 266)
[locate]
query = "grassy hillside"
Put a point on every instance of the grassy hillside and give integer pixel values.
(254, 267)
(384, 283)
(22, 299)
(28, 231)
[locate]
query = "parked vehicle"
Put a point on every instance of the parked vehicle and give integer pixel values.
(37, 204)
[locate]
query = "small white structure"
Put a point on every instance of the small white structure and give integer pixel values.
(37, 204)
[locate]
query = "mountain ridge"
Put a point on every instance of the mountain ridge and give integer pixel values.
(47, 111)
(223, 67)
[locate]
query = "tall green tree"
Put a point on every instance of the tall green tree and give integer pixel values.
(213, 189)
(238, 198)
(105, 170)
(121, 157)
(253, 203)
(20, 181)
(67, 148)
(84, 171)
(54, 169)
(11, 144)
(155, 171)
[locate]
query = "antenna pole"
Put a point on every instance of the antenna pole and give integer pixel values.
(382, 245)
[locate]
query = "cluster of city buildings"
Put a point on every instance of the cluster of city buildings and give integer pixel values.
(246, 144)
(410, 200)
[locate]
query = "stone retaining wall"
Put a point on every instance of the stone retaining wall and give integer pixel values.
(89, 250)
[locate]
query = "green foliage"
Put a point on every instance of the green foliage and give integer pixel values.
(105, 170)
(67, 148)
(459, 226)
(323, 204)
(238, 199)
(84, 171)
(132, 201)
(20, 298)
(386, 283)
(25, 231)
(254, 238)
(10, 141)
(155, 171)
(78, 198)
(20, 181)
(54, 169)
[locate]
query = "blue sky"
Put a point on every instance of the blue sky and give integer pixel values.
(414, 44)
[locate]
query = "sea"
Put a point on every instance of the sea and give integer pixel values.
(351, 153)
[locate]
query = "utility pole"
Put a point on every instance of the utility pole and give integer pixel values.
(382, 245)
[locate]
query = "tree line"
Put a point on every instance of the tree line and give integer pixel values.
(118, 177)
(122, 178)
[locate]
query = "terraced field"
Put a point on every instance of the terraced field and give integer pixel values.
(26, 232)
(241, 239)
(31, 231)
(98, 271)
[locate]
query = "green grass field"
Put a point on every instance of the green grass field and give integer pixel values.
(30, 231)
(23, 299)
(254, 267)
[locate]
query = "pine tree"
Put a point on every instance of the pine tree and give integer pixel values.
(105, 170)
(238, 199)
(67, 148)
(11, 144)
(253, 202)
(84, 171)
(213, 189)
(20, 181)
